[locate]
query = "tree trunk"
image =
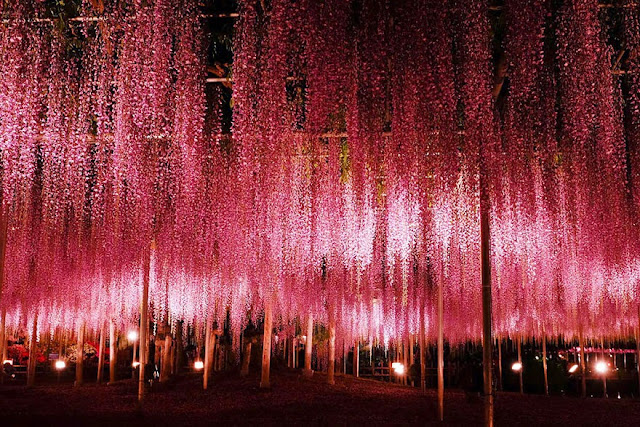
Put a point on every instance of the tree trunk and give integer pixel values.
(440, 350)
(544, 363)
(423, 364)
(583, 368)
(266, 346)
(167, 352)
(246, 358)
(144, 320)
(208, 355)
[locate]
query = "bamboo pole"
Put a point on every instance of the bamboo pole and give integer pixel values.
(520, 362)
(423, 364)
(583, 368)
(266, 345)
(308, 347)
(31, 368)
(485, 254)
(499, 344)
(332, 348)
(113, 352)
(544, 363)
(208, 355)
(356, 359)
(101, 355)
(144, 319)
(440, 351)
(80, 356)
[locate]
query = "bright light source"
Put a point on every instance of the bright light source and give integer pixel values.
(398, 368)
(135, 364)
(60, 364)
(132, 336)
(516, 367)
(573, 368)
(304, 338)
(395, 365)
(9, 361)
(199, 365)
(601, 367)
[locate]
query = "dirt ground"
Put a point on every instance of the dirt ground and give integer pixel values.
(292, 400)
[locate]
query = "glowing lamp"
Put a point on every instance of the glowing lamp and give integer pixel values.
(573, 368)
(135, 364)
(601, 367)
(9, 361)
(198, 365)
(60, 365)
(398, 368)
(132, 335)
(516, 367)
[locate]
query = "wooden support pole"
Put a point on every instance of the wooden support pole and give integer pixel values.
(604, 375)
(167, 355)
(3, 342)
(332, 348)
(411, 358)
(308, 347)
(113, 352)
(485, 255)
(440, 351)
(544, 363)
(144, 319)
(266, 345)
(423, 364)
(519, 339)
(246, 357)
(101, 355)
(638, 350)
(31, 367)
(80, 356)
(583, 368)
(499, 364)
(356, 359)
(208, 355)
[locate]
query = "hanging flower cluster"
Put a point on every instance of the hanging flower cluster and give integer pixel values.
(366, 139)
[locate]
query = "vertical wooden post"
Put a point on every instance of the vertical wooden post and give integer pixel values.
(485, 254)
(80, 356)
(638, 350)
(499, 363)
(208, 355)
(31, 367)
(167, 352)
(356, 359)
(101, 355)
(604, 375)
(3, 342)
(520, 361)
(308, 347)
(332, 348)
(113, 352)
(423, 364)
(405, 361)
(266, 344)
(411, 357)
(144, 319)
(440, 350)
(246, 357)
(583, 368)
(544, 363)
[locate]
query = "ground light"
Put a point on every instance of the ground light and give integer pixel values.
(516, 367)
(132, 335)
(135, 364)
(601, 367)
(9, 361)
(60, 364)
(198, 365)
(573, 368)
(398, 368)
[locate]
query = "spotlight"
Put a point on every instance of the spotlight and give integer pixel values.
(135, 364)
(9, 361)
(198, 365)
(573, 368)
(601, 367)
(516, 367)
(132, 335)
(60, 364)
